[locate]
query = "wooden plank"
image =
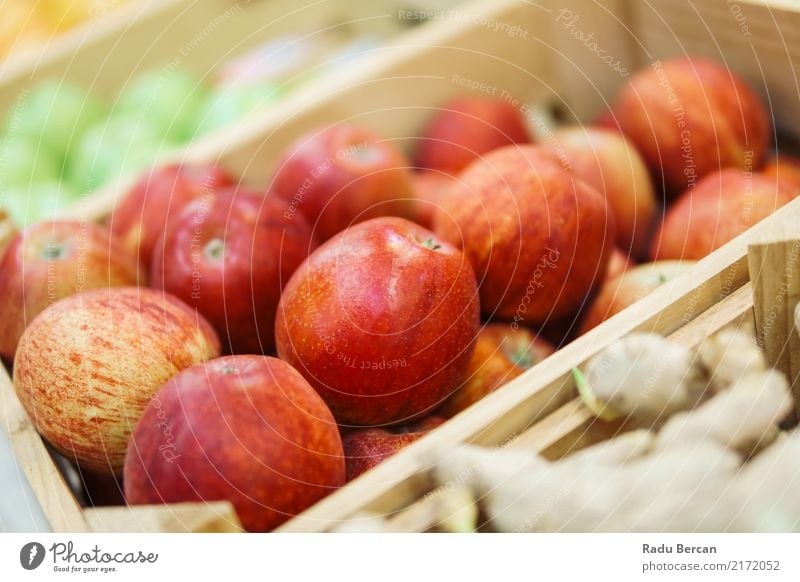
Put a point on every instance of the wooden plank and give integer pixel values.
(57, 502)
(775, 273)
(212, 517)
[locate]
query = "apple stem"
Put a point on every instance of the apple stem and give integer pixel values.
(53, 252)
(431, 244)
(215, 249)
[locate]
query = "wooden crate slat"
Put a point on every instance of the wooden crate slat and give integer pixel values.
(58, 504)
(217, 517)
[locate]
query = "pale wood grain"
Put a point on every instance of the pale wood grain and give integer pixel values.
(57, 502)
(212, 517)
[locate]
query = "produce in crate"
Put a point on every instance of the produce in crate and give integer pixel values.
(467, 128)
(722, 206)
(501, 354)
(689, 117)
(786, 169)
(538, 239)
(611, 165)
(52, 260)
(247, 429)
(629, 287)
(230, 256)
(381, 321)
(139, 219)
(365, 448)
(87, 366)
(343, 174)
(8, 230)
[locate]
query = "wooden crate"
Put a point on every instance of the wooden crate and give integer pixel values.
(533, 51)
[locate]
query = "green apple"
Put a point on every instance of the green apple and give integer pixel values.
(111, 150)
(23, 162)
(168, 100)
(53, 114)
(228, 104)
(36, 202)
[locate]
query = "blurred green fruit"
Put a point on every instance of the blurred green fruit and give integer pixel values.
(23, 162)
(228, 104)
(53, 115)
(39, 201)
(111, 150)
(168, 100)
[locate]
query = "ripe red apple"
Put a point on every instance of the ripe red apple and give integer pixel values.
(247, 429)
(381, 321)
(465, 129)
(629, 287)
(690, 117)
(139, 220)
(537, 237)
(618, 264)
(722, 206)
(368, 447)
(87, 366)
(786, 169)
(8, 230)
(343, 174)
(501, 354)
(52, 260)
(230, 257)
(430, 188)
(608, 162)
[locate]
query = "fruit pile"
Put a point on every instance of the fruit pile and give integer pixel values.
(212, 341)
(62, 140)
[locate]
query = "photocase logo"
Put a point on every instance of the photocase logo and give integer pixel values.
(31, 555)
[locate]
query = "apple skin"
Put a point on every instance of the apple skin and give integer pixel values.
(501, 354)
(230, 257)
(366, 448)
(465, 129)
(537, 237)
(784, 168)
(343, 174)
(611, 165)
(139, 220)
(51, 260)
(629, 287)
(690, 117)
(87, 366)
(430, 188)
(618, 264)
(381, 321)
(722, 206)
(247, 429)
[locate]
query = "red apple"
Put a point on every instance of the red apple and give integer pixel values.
(465, 129)
(786, 169)
(247, 429)
(618, 264)
(537, 237)
(381, 321)
(501, 354)
(52, 260)
(629, 287)
(343, 174)
(87, 366)
(367, 447)
(8, 230)
(430, 188)
(230, 257)
(607, 162)
(139, 220)
(690, 117)
(721, 206)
